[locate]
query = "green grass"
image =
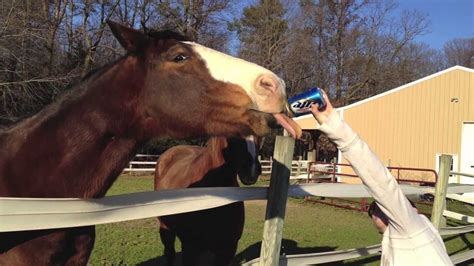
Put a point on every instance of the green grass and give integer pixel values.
(308, 228)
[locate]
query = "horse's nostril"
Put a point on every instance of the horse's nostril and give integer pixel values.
(268, 83)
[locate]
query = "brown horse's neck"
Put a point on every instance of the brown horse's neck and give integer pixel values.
(78, 146)
(209, 158)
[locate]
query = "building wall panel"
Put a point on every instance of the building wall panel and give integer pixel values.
(410, 126)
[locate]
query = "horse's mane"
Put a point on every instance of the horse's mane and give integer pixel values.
(214, 147)
(167, 34)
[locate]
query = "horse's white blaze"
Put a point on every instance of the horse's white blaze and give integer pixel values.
(227, 68)
(250, 140)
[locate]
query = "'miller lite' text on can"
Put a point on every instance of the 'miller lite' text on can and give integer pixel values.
(301, 104)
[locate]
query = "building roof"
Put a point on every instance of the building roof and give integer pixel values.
(305, 118)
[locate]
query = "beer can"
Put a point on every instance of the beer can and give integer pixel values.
(301, 104)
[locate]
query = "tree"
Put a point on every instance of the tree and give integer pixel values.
(94, 17)
(201, 20)
(262, 33)
(460, 52)
(359, 46)
(354, 50)
(301, 63)
(28, 72)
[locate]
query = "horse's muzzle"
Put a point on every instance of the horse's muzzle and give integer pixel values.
(255, 172)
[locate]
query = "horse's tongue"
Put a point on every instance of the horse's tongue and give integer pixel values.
(287, 123)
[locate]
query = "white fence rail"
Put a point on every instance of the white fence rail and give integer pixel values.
(19, 214)
(132, 165)
(42, 213)
(462, 174)
(463, 198)
(340, 255)
(299, 169)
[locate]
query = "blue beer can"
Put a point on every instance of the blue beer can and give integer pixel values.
(301, 104)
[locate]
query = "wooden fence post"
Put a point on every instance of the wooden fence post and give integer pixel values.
(439, 204)
(276, 203)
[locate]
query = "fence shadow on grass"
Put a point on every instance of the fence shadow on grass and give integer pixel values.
(206, 259)
(161, 261)
(463, 238)
(288, 246)
(359, 261)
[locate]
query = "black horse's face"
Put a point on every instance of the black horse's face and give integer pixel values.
(243, 154)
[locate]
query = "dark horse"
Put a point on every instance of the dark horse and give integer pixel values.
(164, 87)
(216, 230)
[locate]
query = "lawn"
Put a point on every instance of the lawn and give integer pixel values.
(308, 228)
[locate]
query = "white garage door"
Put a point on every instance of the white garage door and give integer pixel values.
(467, 149)
(467, 154)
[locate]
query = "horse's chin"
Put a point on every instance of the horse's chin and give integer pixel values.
(262, 123)
(248, 180)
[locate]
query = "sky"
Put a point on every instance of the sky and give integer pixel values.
(449, 19)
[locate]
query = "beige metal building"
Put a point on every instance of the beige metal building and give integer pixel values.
(410, 126)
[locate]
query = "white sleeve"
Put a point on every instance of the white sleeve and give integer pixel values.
(380, 183)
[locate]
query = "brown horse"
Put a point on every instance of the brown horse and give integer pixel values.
(163, 87)
(216, 230)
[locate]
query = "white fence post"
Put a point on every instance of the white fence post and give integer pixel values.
(276, 204)
(439, 203)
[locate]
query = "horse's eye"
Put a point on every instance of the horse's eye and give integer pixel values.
(180, 58)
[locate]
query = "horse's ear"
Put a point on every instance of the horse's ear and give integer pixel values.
(130, 39)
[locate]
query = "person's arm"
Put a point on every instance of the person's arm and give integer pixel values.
(380, 183)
